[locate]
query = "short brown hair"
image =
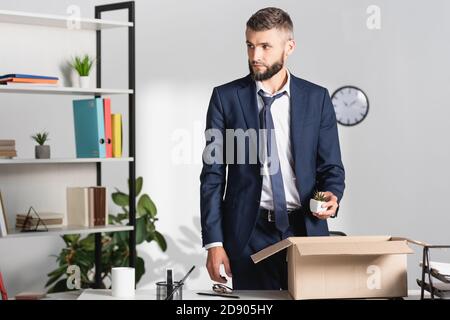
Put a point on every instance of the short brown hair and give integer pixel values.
(269, 18)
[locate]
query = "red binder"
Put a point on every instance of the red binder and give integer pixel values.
(108, 132)
(3, 289)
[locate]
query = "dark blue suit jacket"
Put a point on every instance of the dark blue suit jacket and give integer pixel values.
(314, 138)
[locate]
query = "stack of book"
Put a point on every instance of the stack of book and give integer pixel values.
(27, 80)
(8, 149)
(51, 221)
(441, 282)
(87, 206)
(98, 133)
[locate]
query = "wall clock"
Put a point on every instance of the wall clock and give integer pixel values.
(351, 105)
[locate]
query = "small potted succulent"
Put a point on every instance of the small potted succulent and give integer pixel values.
(41, 151)
(83, 65)
(315, 204)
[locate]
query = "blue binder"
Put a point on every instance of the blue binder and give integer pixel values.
(29, 76)
(89, 125)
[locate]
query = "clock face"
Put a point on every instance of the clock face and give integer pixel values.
(350, 105)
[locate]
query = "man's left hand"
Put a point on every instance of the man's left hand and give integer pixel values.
(331, 206)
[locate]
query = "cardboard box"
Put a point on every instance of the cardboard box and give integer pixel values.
(344, 267)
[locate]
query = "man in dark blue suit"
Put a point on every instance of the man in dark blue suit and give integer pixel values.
(272, 141)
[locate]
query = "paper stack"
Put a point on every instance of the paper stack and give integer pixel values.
(7, 149)
(441, 284)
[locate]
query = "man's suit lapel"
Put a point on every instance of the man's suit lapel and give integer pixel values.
(299, 102)
(249, 105)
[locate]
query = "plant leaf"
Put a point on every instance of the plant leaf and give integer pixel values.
(161, 241)
(140, 268)
(60, 286)
(56, 274)
(121, 199)
(88, 243)
(139, 183)
(141, 229)
(145, 204)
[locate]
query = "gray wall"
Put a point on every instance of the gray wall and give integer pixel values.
(394, 160)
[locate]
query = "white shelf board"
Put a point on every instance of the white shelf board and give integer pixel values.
(63, 90)
(64, 160)
(59, 21)
(66, 230)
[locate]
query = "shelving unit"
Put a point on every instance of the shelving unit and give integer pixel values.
(58, 21)
(96, 25)
(65, 91)
(67, 230)
(63, 160)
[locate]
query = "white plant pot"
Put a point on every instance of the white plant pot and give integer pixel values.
(84, 81)
(316, 206)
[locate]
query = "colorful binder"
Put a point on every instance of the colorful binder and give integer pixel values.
(89, 128)
(116, 124)
(3, 292)
(108, 132)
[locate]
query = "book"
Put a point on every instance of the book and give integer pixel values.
(8, 154)
(77, 206)
(42, 215)
(100, 206)
(89, 127)
(34, 221)
(8, 143)
(28, 85)
(116, 130)
(3, 219)
(31, 76)
(91, 206)
(41, 226)
(7, 148)
(27, 80)
(97, 206)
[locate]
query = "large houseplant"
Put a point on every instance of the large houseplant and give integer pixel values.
(115, 250)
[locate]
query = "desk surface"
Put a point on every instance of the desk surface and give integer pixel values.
(100, 294)
(104, 294)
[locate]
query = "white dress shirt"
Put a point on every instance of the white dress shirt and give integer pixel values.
(280, 110)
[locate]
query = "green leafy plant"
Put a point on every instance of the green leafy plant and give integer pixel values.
(83, 64)
(320, 196)
(40, 137)
(115, 250)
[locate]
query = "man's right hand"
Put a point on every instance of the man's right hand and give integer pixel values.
(216, 257)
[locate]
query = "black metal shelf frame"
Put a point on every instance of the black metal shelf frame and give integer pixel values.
(129, 5)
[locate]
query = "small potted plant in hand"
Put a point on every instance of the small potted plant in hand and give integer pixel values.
(41, 151)
(83, 65)
(315, 204)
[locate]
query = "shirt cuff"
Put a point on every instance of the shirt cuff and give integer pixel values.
(213, 244)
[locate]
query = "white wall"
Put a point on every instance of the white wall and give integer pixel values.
(394, 160)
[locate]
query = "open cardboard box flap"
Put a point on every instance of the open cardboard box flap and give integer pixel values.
(325, 246)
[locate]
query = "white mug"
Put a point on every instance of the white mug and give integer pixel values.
(122, 282)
